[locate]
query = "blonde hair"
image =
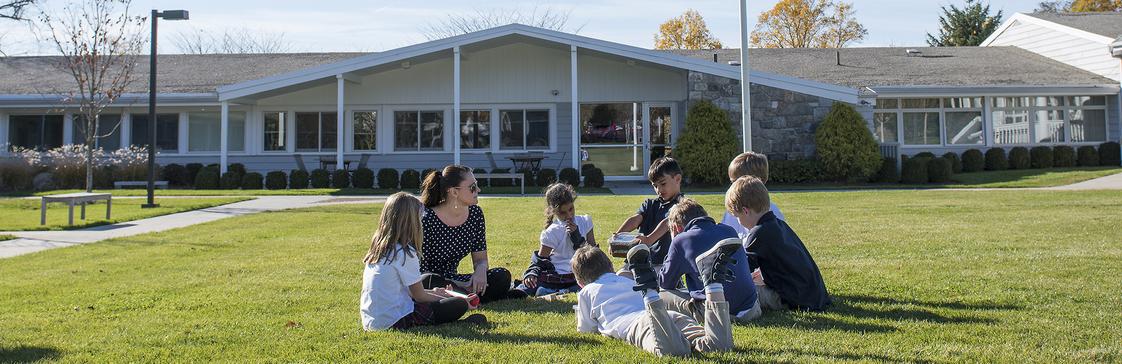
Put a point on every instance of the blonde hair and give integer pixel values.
(749, 164)
(400, 224)
(685, 211)
(557, 195)
(589, 263)
(747, 193)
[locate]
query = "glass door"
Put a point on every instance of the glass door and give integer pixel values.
(659, 119)
(613, 139)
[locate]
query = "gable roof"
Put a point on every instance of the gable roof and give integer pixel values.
(1107, 24)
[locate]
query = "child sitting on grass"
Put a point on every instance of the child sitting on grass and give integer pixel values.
(609, 304)
(666, 177)
(551, 270)
(748, 164)
(392, 296)
(789, 278)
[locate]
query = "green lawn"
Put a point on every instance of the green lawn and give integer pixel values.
(6, 237)
(23, 214)
(917, 276)
(1022, 178)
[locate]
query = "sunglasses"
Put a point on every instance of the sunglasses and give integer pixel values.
(473, 188)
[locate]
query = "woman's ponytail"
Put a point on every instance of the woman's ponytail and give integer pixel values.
(431, 192)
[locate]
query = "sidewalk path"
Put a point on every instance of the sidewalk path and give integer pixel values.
(1111, 182)
(33, 241)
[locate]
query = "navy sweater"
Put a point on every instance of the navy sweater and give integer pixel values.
(786, 264)
(700, 235)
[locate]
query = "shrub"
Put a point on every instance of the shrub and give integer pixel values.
(103, 177)
(175, 174)
(995, 160)
(546, 177)
(363, 178)
(298, 179)
(1063, 156)
(527, 177)
(1088, 157)
(570, 176)
(67, 165)
(585, 167)
(939, 170)
(594, 178)
(410, 179)
(320, 178)
(43, 181)
(501, 182)
(845, 146)
(276, 180)
(706, 146)
(481, 181)
(16, 175)
(130, 164)
(425, 173)
(252, 181)
(1108, 154)
(230, 180)
(207, 179)
(387, 178)
(1041, 157)
(927, 155)
(796, 171)
(192, 171)
(236, 168)
(914, 171)
(956, 162)
(887, 172)
(340, 178)
(1019, 158)
(972, 161)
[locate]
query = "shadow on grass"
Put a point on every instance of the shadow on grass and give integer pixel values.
(850, 306)
(743, 353)
(466, 331)
(949, 305)
(531, 305)
(27, 354)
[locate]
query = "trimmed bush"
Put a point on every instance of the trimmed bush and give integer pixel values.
(927, 155)
(914, 171)
(103, 177)
(320, 178)
(939, 170)
(501, 182)
(1041, 157)
(1088, 157)
(1063, 156)
(585, 167)
(796, 171)
(1019, 158)
(594, 178)
(363, 178)
(230, 180)
(546, 177)
(1108, 154)
(387, 178)
(16, 175)
(706, 146)
(340, 178)
(298, 179)
(973, 161)
(410, 179)
(276, 180)
(207, 179)
(175, 174)
(995, 160)
(845, 146)
(236, 168)
(887, 172)
(425, 173)
(192, 171)
(570, 176)
(528, 176)
(252, 181)
(956, 162)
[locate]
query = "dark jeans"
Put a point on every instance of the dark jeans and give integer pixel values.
(498, 284)
(433, 313)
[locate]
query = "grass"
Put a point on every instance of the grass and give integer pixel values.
(917, 276)
(530, 190)
(6, 237)
(1021, 178)
(23, 214)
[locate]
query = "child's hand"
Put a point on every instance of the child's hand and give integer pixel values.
(757, 277)
(570, 226)
(441, 292)
(531, 282)
(645, 240)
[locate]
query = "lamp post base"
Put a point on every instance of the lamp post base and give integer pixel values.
(149, 205)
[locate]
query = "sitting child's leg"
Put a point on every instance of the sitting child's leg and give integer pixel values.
(655, 332)
(769, 298)
(433, 313)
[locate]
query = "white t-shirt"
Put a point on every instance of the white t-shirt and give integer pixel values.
(555, 236)
(743, 231)
(385, 290)
(609, 306)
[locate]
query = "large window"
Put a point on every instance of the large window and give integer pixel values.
(475, 129)
(275, 130)
(610, 124)
(316, 131)
(365, 130)
(108, 135)
(1087, 119)
(524, 129)
(204, 132)
(167, 131)
(963, 121)
(418, 130)
(1049, 119)
(921, 128)
(35, 131)
(884, 127)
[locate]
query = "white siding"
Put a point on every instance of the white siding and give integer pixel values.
(1078, 52)
(607, 78)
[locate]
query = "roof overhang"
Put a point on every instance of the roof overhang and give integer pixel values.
(1026, 18)
(998, 90)
(318, 74)
(126, 100)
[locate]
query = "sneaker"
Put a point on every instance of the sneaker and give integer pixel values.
(515, 294)
(714, 264)
(476, 319)
(639, 261)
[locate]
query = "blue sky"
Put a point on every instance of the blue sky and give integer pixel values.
(386, 24)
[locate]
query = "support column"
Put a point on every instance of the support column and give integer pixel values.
(456, 105)
(67, 128)
(224, 137)
(574, 107)
(339, 115)
(745, 86)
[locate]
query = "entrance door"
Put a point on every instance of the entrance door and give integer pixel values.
(622, 139)
(660, 121)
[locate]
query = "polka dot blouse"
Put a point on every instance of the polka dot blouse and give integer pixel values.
(445, 246)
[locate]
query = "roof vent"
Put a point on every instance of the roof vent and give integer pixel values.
(734, 63)
(912, 52)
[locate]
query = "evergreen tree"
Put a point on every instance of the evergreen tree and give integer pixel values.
(968, 26)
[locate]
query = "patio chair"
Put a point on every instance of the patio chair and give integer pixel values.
(300, 162)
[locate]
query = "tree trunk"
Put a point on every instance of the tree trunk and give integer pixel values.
(91, 134)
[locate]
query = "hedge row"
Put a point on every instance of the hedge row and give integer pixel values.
(207, 177)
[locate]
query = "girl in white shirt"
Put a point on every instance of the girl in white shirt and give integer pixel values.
(550, 267)
(392, 296)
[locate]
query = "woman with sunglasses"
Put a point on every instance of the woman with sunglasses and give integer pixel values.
(454, 227)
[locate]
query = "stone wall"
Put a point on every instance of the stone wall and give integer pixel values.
(783, 121)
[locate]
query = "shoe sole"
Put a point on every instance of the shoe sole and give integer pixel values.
(638, 252)
(722, 246)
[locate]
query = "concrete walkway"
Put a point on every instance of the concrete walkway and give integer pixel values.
(1111, 182)
(33, 241)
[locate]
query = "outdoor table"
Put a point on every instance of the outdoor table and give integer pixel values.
(325, 162)
(71, 199)
(532, 162)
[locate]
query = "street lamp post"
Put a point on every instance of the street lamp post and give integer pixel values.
(745, 86)
(156, 14)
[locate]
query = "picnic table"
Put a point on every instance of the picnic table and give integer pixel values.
(530, 161)
(71, 199)
(324, 163)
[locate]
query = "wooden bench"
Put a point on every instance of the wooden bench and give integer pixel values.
(71, 199)
(521, 178)
(119, 184)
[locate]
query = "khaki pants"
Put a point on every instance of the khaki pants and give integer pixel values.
(682, 302)
(662, 332)
(769, 298)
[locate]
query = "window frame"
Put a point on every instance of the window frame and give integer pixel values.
(419, 109)
(352, 130)
(282, 133)
(245, 134)
(319, 132)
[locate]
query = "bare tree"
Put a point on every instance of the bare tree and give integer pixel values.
(13, 9)
(239, 40)
(456, 24)
(99, 43)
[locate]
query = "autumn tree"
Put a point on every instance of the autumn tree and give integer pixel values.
(807, 24)
(98, 42)
(1078, 6)
(456, 24)
(966, 26)
(230, 41)
(687, 31)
